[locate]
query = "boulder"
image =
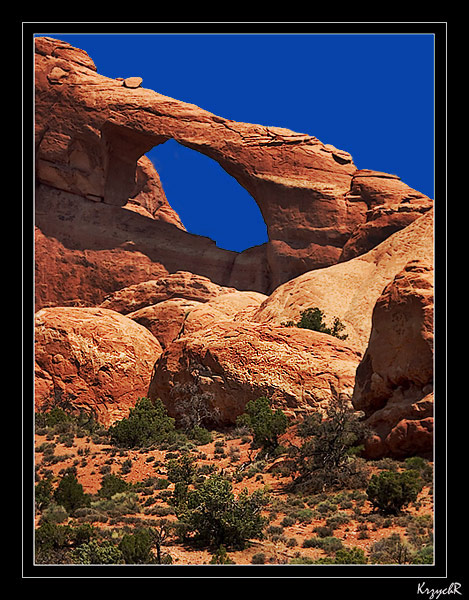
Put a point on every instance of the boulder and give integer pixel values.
(394, 381)
(181, 284)
(170, 319)
(92, 359)
(217, 370)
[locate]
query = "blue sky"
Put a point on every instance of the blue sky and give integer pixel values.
(371, 95)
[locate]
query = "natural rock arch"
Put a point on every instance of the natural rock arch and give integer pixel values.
(207, 199)
(91, 132)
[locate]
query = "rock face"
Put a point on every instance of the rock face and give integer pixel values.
(394, 381)
(173, 318)
(217, 370)
(181, 284)
(131, 304)
(92, 358)
(349, 290)
(91, 135)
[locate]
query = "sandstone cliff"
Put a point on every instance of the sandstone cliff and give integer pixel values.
(131, 304)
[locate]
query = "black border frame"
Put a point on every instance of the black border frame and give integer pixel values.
(353, 577)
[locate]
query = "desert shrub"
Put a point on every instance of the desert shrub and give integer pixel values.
(43, 493)
(350, 556)
(390, 550)
(148, 423)
(313, 318)
(53, 542)
(423, 556)
(136, 547)
(337, 519)
(323, 531)
(327, 458)
(215, 517)
(287, 521)
(220, 557)
(112, 484)
(391, 491)
(420, 531)
(97, 553)
(54, 513)
(258, 558)
(264, 423)
(69, 493)
(329, 544)
(121, 503)
(422, 466)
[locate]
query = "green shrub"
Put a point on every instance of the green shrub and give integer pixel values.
(112, 484)
(312, 318)
(98, 553)
(200, 435)
(423, 556)
(390, 491)
(148, 423)
(264, 423)
(136, 547)
(350, 556)
(70, 494)
(215, 517)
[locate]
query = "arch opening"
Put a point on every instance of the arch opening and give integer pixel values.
(209, 201)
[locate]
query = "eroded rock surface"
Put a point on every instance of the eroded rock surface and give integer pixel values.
(349, 290)
(92, 133)
(92, 359)
(219, 369)
(394, 382)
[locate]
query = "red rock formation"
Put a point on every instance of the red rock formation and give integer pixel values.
(349, 290)
(221, 368)
(392, 205)
(181, 284)
(93, 359)
(91, 135)
(394, 382)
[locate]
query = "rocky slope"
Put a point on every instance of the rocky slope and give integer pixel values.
(131, 304)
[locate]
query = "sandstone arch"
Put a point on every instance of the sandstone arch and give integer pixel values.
(91, 133)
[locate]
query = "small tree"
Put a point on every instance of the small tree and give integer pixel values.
(182, 470)
(389, 491)
(70, 494)
(112, 484)
(264, 423)
(213, 514)
(327, 458)
(148, 423)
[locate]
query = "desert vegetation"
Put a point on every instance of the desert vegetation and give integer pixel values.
(266, 491)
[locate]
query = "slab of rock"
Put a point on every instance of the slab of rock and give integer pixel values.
(394, 381)
(220, 368)
(181, 284)
(350, 290)
(92, 359)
